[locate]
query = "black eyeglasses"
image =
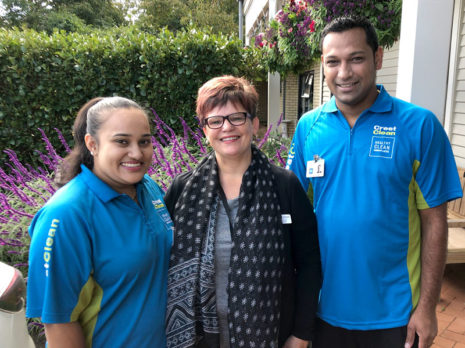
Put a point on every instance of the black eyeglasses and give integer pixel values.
(236, 119)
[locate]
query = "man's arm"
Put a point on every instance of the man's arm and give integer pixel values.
(433, 259)
(66, 335)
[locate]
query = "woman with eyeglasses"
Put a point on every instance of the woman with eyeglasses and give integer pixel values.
(245, 264)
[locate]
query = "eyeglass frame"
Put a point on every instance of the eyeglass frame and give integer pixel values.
(226, 117)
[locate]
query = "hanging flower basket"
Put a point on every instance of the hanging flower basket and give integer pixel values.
(291, 43)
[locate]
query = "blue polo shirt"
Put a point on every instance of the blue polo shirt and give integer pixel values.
(98, 258)
(394, 161)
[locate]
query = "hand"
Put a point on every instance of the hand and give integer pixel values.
(425, 324)
(294, 342)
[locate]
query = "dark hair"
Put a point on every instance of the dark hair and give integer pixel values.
(340, 24)
(220, 90)
(88, 121)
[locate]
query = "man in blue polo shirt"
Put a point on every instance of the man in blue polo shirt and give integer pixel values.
(379, 172)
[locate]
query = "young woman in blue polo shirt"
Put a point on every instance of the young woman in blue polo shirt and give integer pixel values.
(100, 246)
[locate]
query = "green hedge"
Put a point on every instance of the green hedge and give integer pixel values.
(45, 79)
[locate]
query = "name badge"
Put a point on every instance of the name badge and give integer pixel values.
(316, 168)
(286, 219)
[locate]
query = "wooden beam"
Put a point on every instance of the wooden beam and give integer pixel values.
(456, 223)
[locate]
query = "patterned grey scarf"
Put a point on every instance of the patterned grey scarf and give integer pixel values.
(257, 258)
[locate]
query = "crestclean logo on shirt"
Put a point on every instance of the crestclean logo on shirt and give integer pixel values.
(161, 210)
(381, 130)
(382, 142)
(158, 204)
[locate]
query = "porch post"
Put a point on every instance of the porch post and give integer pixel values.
(424, 53)
(273, 81)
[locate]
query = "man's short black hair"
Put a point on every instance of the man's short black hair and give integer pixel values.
(341, 24)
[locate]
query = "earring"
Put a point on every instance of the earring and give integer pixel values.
(92, 153)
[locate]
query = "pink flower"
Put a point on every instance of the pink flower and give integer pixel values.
(289, 30)
(312, 26)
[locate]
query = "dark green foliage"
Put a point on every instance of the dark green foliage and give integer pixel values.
(69, 15)
(19, 12)
(171, 9)
(219, 15)
(46, 79)
(61, 20)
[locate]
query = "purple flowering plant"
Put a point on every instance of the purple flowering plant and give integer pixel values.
(291, 42)
(24, 189)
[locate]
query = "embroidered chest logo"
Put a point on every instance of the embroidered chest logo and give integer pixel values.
(382, 142)
(163, 212)
(158, 204)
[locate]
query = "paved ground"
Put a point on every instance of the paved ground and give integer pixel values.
(451, 309)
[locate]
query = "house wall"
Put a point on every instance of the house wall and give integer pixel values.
(262, 90)
(290, 88)
(326, 93)
(291, 99)
(387, 75)
(455, 109)
(256, 16)
(317, 83)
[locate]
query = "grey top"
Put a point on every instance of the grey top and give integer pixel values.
(223, 245)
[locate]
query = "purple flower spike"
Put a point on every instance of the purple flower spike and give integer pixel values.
(265, 137)
(63, 141)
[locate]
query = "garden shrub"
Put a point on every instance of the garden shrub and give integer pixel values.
(46, 79)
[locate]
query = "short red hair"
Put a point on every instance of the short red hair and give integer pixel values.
(220, 90)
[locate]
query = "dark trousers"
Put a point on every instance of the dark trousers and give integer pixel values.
(328, 336)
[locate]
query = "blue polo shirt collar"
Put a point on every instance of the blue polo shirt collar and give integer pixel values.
(101, 189)
(383, 103)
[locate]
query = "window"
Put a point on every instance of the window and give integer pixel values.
(305, 92)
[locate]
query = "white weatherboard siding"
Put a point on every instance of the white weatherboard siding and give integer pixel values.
(326, 93)
(252, 11)
(455, 107)
(387, 75)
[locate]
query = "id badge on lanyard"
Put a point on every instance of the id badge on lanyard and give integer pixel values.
(316, 167)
